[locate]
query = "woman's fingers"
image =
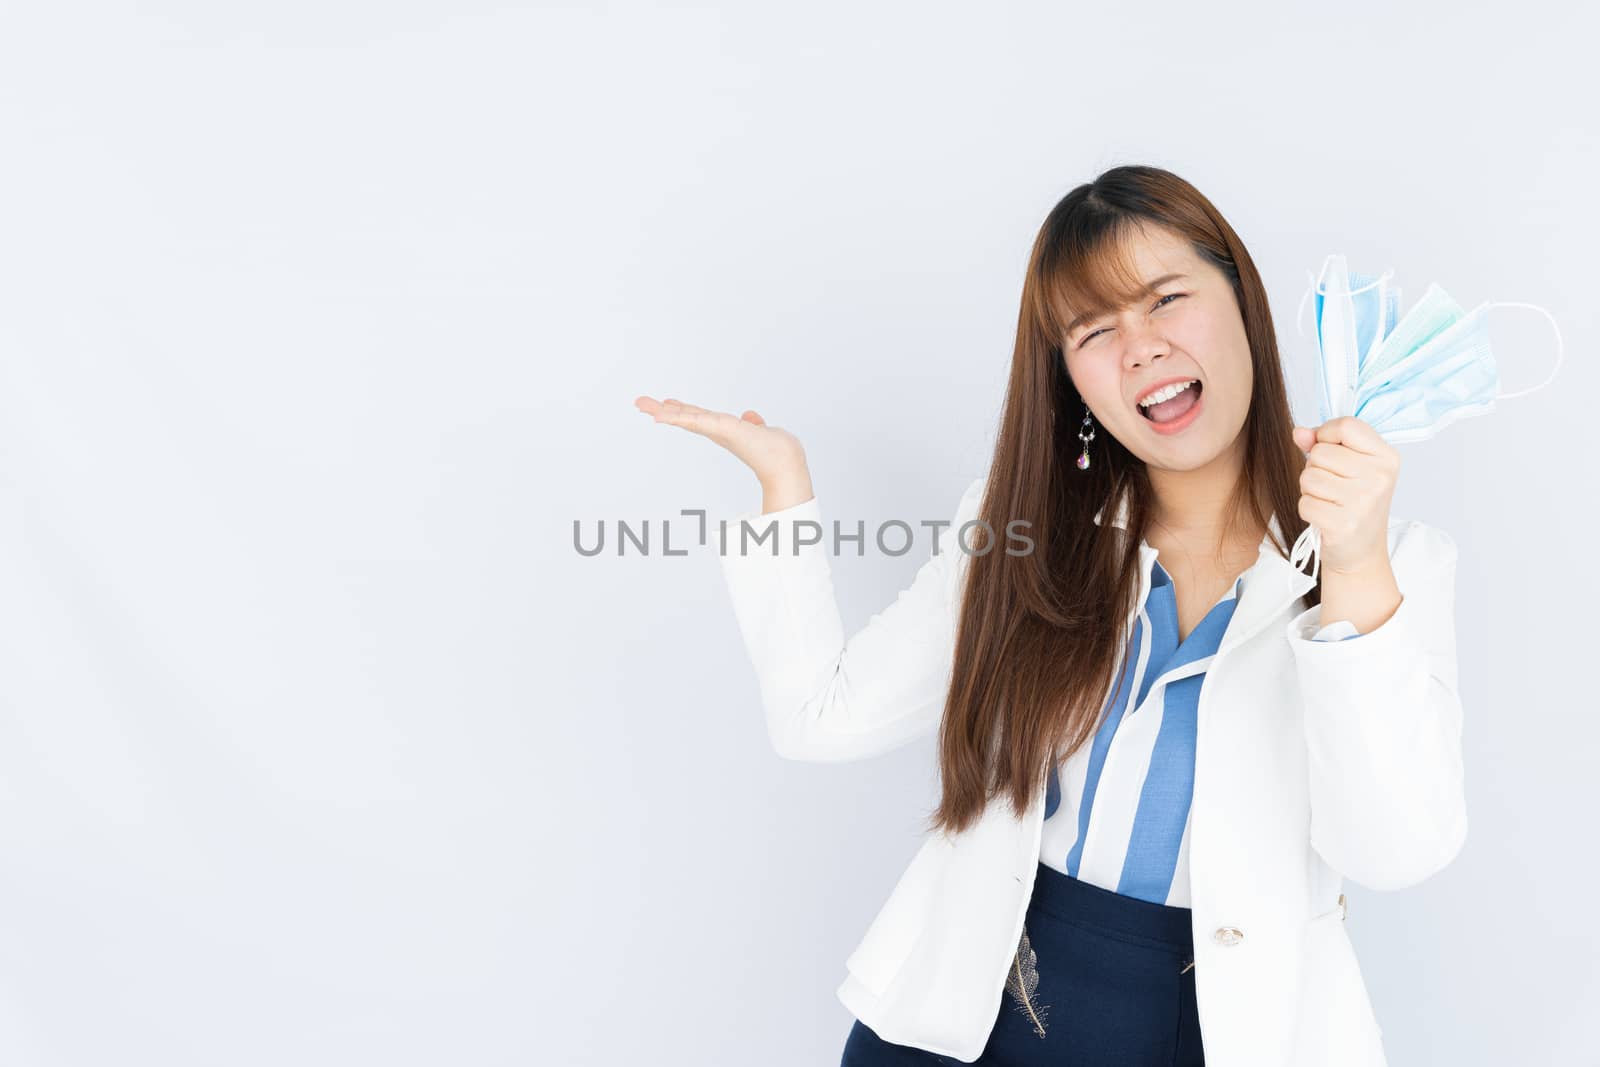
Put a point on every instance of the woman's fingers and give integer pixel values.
(773, 453)
(700, 420)
(668, 405)
(659, 408)
(692, 416)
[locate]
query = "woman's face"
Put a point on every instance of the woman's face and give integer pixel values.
(1189, 329)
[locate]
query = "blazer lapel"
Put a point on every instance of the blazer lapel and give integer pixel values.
(1269, 587)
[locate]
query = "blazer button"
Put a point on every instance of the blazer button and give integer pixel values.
(1228, 935)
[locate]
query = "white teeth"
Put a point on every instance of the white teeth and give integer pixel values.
(1166, 392)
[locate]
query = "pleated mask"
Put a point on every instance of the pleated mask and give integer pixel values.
(1408, 377)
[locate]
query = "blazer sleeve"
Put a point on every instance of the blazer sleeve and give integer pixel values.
(827, 699)
(1383, 725)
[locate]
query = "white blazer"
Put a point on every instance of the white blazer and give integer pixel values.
(1315, 761)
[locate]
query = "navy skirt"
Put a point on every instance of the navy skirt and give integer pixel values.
(1115, 985)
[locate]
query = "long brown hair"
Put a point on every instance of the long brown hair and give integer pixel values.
(1039, 634)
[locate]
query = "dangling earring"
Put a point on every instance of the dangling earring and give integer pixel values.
(1085, 434)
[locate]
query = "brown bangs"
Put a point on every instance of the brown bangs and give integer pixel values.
(1089, 272)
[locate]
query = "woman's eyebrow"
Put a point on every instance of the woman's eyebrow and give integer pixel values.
(1149, 289)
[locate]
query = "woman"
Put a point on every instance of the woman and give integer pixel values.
(1144, 828)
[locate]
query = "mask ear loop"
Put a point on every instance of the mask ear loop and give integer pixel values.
(1560, 346)
(1307, 546)
(1299, 312)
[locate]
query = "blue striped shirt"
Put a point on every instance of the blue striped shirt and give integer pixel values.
(1117, 809)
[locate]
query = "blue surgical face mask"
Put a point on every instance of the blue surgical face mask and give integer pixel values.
(1407, 377)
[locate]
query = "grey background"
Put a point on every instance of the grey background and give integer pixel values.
(321, 323)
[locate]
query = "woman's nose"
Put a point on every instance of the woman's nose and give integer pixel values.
(1142, 346)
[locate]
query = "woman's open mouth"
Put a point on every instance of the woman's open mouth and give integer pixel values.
(1178, 407)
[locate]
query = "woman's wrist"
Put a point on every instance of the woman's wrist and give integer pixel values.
(785, 489)
(1365, 595)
